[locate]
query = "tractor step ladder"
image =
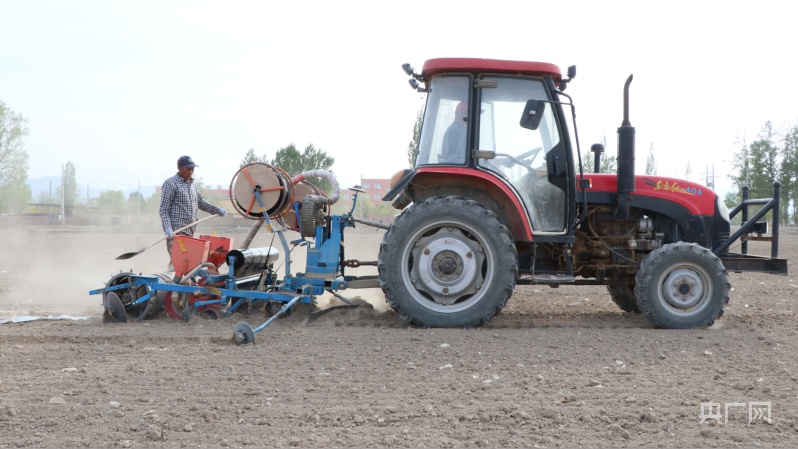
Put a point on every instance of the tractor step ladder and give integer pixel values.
(553, 279)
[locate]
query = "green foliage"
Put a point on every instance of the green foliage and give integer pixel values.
(134, 197)
(289, 159)
(651, 165)
(587, 162)
(367, 209)
(764, 167)
(293, 162)
(14, 191)
(251, 158)
(137, 202)
(200, 183)
(14, 196)
(45, 197)
(152, 204)
(609, 163)
(742, 167)
(111, 202)
(758, 165)
(731, 200)
(412, 148)
(688, 170)
(789, 174)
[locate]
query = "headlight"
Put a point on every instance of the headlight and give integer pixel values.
(724, 211)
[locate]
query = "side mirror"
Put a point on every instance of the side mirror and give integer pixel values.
(533, 114)
(572, 72)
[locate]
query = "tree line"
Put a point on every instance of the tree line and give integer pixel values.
(16, 196)
(771, 156)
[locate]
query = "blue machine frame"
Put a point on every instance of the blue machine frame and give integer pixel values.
(324, 272)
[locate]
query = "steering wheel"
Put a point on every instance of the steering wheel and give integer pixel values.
(523, 159)
(530, 155)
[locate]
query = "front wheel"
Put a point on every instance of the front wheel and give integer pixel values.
(447, 262)
(682, 286)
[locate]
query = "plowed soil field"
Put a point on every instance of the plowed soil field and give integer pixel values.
(558, 368)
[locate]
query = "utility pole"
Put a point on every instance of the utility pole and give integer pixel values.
(63, 199)
(361, 200)
(710, 177)
(138, 219)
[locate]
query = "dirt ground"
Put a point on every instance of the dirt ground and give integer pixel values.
(558, 368)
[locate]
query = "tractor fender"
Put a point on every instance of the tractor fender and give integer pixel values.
(483, 187)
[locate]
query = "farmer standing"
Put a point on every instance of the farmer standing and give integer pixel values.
(181, 202)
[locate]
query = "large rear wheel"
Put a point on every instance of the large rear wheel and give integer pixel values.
(681, 286)
(447, 262)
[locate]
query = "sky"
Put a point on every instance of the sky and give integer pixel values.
(121, 89)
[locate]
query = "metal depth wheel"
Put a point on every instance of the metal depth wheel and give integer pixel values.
(447, 262)
(130, 294)
(623, 295)
(682, 286)
(211, 313)
(114, 309)
(243, 335)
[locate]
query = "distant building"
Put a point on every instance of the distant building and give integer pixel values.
(375, 190)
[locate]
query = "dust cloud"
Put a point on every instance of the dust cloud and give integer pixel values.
(50, 270)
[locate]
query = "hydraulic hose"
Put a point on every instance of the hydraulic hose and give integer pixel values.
(332, 199)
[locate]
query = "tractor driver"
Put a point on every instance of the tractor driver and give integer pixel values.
(454, 139)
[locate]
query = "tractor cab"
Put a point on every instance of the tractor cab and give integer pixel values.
(501, 118)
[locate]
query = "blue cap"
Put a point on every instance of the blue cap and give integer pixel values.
(186, 161)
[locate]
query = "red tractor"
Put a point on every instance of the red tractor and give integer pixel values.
(498, 198)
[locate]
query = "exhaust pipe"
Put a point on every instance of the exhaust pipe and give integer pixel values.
(626, 158)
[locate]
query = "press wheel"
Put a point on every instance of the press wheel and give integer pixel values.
(243, 335)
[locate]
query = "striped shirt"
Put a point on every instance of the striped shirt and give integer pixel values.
(181, 202)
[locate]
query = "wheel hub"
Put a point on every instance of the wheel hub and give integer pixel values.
(239, 337)
(446, 267)
(683, 289)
